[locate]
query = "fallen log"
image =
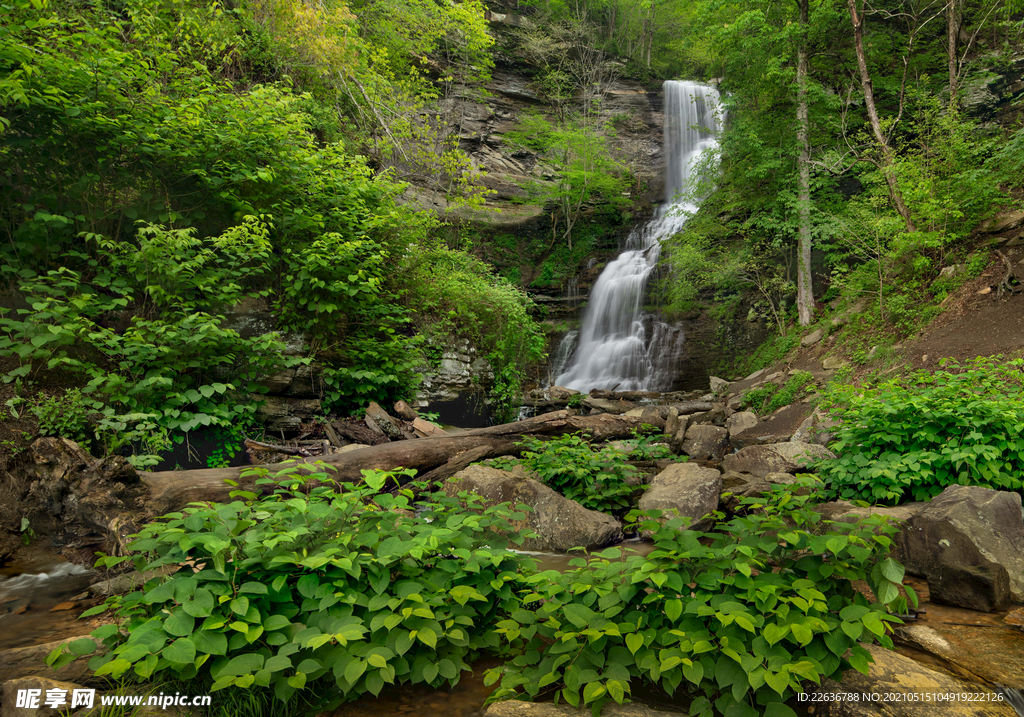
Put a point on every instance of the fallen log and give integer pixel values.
(687, 407)
(624, 395)
(287, 450)
(171, 490)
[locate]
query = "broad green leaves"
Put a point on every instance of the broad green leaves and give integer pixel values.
(910, 438)
(384, 602)
(688, 617)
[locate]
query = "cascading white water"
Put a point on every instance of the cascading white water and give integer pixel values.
(613, 349)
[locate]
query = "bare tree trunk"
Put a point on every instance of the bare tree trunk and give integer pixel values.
(952, 30)
(804, 288)
(888, 160)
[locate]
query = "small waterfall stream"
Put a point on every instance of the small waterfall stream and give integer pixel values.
(619, 346)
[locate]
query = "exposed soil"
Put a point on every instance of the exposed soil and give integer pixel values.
(976, 321)
(978, 325)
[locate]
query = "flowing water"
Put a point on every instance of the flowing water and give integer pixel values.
(619, 345)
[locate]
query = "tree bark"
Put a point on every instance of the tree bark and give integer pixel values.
(952, 30)
(172, 490)
(888, 156)
(804, 288)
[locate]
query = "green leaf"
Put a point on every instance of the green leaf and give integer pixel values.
(201, 604)
(181, 651)
(634, 642)
(179, 624)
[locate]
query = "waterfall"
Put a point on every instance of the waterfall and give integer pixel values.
(619, 346)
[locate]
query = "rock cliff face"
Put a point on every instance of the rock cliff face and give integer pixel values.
(483, 120)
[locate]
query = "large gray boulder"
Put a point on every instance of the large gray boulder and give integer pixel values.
(786, 457)
(560, 523)
(685, 490)
(706, 442)
(968, 541)
(739, 422)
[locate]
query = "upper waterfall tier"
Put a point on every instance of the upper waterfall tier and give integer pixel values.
(619, 346)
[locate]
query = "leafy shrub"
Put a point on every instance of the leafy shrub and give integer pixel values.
(338, 589)
(909, 438)
(68, 416)
(770, 398)
(652, 448)
(737, 618)
(595, 478)
(456, 296)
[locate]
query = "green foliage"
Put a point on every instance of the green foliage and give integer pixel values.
(337, 587)
(156, 367)
(767, 354)
(68, 416)
(163, 205)
(736, 618)
(457, 297)
(585, 171)
(771, 397)
(652, 447)
(909, 438)
(595, 478)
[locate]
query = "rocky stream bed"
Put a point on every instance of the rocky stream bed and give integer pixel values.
(960, 653)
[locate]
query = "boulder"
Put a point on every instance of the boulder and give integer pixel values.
(705, 442)
(672, 421)
(719, 385)
(907, 683)
(739, 422)
(993, 653)
(1003, 222)
(649, 415)
(846, 512)
(36, 690)
(833, 363)
(1015, 618)
(812, 338)
(775, 458)
(560, 523)
(967, 527)
(561, 393)
(687, 490)
(779, 427)
(802, 454)
(738, 486)
(515, 708)
(282, 413)
(31, 660)
(716, 415)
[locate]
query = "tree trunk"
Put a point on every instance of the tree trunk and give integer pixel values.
(888, 158)
(172, 490)
(804, 288)
(952, 30)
